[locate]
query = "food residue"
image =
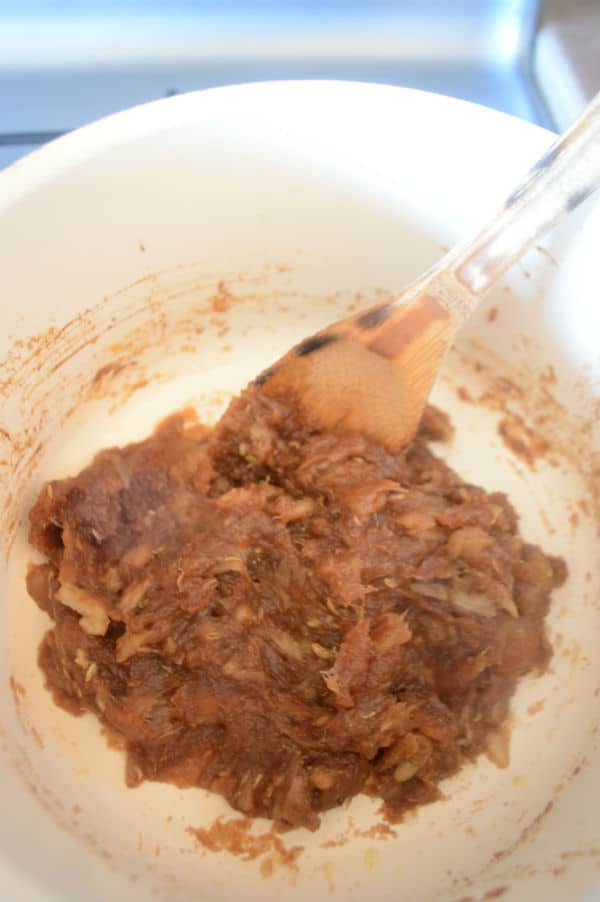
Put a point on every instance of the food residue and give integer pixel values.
(464, 394)
(528, 444)
(234, 835)
(286, 616)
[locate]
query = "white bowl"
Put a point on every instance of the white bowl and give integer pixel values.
(171, 252)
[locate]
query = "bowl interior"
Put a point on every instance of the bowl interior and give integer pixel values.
(160, 259)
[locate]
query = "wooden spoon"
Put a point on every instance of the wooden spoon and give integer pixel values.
(373, 372)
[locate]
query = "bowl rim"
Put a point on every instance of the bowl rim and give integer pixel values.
(87, 141)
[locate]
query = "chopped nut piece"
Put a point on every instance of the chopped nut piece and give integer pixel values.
(81, 659)
(243, 613)
(94, 619)
(322, 778)
(133, 595)
(320, 651)
(112, 580)
(405, 771)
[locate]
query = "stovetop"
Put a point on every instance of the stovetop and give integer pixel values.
(64, 65)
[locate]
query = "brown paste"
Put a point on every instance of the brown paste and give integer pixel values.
(284, 616)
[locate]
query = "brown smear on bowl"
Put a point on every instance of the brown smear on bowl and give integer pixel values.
(528, 832)
(532, 423)
(235, 836)
(526, 443)
(380, 831)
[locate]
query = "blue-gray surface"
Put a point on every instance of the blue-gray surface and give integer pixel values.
(68, 63)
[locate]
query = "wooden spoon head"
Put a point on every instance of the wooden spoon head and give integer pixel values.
(370, 374)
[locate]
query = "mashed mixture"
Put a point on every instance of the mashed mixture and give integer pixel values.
(288, 617)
